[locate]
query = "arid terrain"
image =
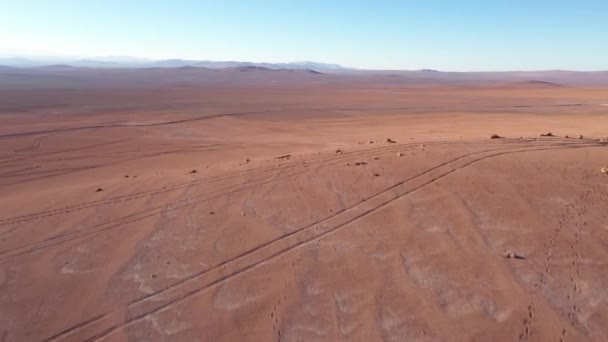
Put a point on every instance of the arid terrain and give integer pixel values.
(158, 205)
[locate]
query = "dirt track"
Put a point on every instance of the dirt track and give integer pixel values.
(411, 244)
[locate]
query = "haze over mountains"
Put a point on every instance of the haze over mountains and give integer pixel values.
(119, 71)
(131, 62)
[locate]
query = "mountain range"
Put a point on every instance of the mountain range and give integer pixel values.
(129, 62)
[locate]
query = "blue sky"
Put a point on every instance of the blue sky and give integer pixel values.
(446, 35)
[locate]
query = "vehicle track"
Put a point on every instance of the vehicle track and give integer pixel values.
(154, 124)
(20, 157)
(185, 289)
(133, 196)
(267, 111)
(160, 190)
(212, 179)
(179, 204)
(60, 172)
(165, 189)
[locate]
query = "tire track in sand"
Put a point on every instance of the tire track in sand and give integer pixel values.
(179, 204)
(177, 293)
(164, 189)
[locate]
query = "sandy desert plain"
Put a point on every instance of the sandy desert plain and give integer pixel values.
(258, 205)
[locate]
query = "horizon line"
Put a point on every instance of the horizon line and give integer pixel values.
(71, 58)
(133, 65)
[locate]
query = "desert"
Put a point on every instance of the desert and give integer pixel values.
(290, 206)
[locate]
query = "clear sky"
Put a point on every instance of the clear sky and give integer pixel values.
(407, 34)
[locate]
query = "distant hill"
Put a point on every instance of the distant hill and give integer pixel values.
(128, 62)
(259, 69)
(189, 67)
(535, 83)
(55, 67)
(248, 68)
(173, 63)
(305, 71)
(312, 66)
(57, 72)
(272, 66)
